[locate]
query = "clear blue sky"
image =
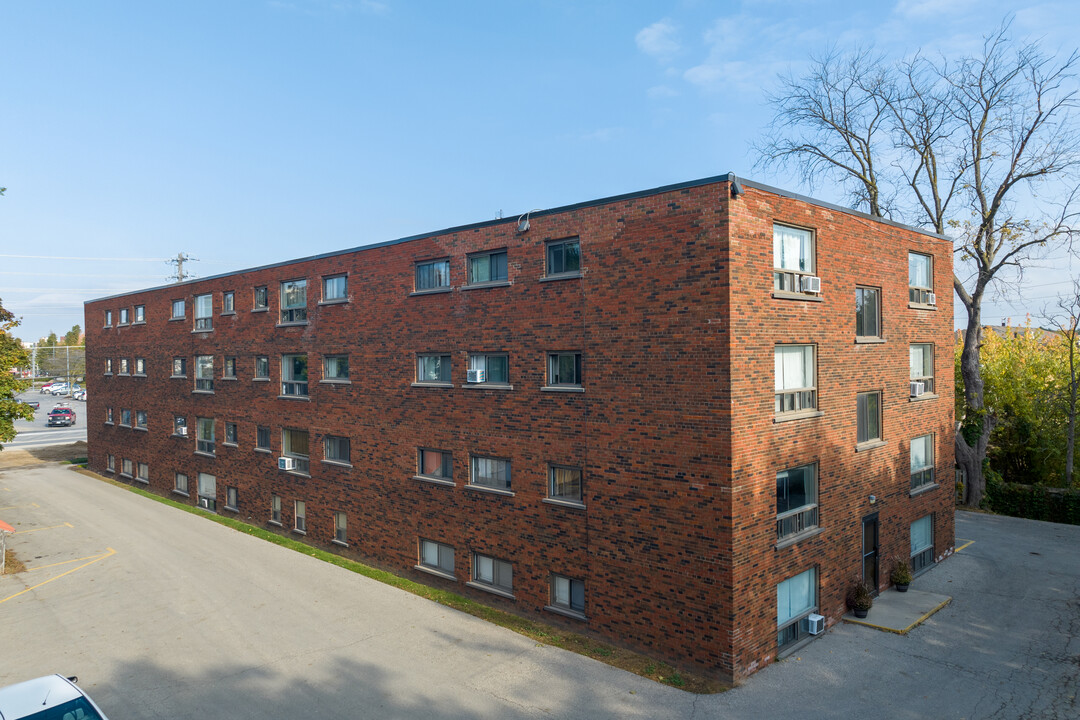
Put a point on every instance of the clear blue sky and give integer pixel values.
(245, 132)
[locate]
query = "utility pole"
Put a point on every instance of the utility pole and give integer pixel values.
(181, 258)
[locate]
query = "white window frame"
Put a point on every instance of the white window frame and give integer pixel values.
(205, 435)
(180, 305)
(922, 555)
(204, 373)
(300, 516)
(204, 312)
(918, 293)
(341, 528)
(919, 375)
(791, 615)
(293, 312)
(228, 302)
(794, 521)
(787, 274)
(922, 475)
(794, 399)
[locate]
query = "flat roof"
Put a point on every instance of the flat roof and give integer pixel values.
(727, 177)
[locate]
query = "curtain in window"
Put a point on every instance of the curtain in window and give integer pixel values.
(921, 361)
(566, 482)
(918, 270)
(922, 534)
(921, 453)
(796, 596)
(296, 442)
(206, 429)
(791, 249)
(794, 367)
(294, 294)
(207, 485)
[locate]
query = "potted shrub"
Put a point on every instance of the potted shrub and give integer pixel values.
(901, 574)
(859, 598)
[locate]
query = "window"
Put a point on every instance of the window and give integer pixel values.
(922, 543)
(232, 498)
(487, 267)
(335, 289)
(126, 467)
(260, 299)
(793, 257)
(230, 368)
(179, 367)
(294, 444)
(436, 556)
(868, 408)
(228, 303)
(140, 366)
(567, 594)
(204, 312)
(867, 312)
(143, 472)
(110, 463)
(125, 417)
(108, 366)
(922, 461)
(108, 415)
(262, 368)
(180, 483)
(262, 438)
(179, 425)
(564, 369)
(140, 419)
(490, 473)
(275, 509)
(124, 367)
(336, 367)
(796, 501)
(300, 516)
(205, 438)
(432, 275)
(108, 318)
(564, 483)
(140, 313)
(433, 368)
(492, 573)
(294, 375)
(796, 598)
(436, 464)
(177, 309)
(341, 527)
(922, 366)
(491, 369)
(336, 449)
(294, 301)
(207, 491)
(563, 257)
(204, 373)
(795, 385)
(230, 433)
(124, 316)
(920, 278)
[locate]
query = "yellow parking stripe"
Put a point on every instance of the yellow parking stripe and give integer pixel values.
(13, 507)
(109, 553)
(969, 542)
(51, 527)
(63, 562)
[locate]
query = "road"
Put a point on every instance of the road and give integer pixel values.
(163, 614)
(35, 433)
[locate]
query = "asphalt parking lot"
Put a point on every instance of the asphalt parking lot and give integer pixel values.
(163, 614)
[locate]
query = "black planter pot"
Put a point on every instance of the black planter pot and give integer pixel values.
(901, 588)
(859, 612)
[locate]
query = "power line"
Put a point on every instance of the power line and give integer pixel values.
(52, 274)
(178, 261)
(59, 257)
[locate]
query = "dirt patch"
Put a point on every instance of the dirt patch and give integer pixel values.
(19, 457)
(12, 564)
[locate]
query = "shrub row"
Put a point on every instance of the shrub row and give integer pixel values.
(1035, 502)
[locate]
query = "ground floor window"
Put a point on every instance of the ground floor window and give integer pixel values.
(492, 573)
(796, 598)
(568, 594)
(181, 484)
(207, 491)
(922, 543)
(437, 556)
(341, 528)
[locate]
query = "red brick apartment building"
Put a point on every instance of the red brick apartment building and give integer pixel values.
(683, 420)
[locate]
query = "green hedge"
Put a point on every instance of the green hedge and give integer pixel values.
(1035, 502)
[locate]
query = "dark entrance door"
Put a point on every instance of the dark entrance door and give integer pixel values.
(870, 551)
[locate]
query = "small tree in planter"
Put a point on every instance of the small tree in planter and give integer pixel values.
(901, 574)
(860, 596)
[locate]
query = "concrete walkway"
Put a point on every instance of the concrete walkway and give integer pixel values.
(899, 612)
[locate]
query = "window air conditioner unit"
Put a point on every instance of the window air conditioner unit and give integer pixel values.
(931, 299)
(811, 283)
(181, 431)
(917, 388)
(815, 623)
(204, 503)
(476, 376)
(286, 463)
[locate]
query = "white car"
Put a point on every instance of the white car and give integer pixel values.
(53, 697)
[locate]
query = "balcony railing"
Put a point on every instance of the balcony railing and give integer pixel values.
(202, 384)
(293, 315)
(298, 389)
(922, 477)
(205, 446)
(796, 522)
(204, 323)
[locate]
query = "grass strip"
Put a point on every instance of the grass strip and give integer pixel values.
(621, 658)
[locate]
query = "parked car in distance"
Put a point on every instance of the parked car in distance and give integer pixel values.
(79, 395)
(60, 415)
(47, 387)
(32, 403)
(53, 697)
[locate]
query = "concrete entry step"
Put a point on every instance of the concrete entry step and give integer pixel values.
(899, 612)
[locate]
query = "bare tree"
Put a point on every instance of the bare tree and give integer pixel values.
(964, 147)
(1066, 318)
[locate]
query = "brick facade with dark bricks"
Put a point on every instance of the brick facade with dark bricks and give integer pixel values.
(675, 431)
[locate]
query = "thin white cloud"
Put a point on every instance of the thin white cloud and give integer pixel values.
(659, 40)
(659, 92)
(926, 9)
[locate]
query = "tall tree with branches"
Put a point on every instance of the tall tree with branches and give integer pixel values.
(12, 356)
(967, 147)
